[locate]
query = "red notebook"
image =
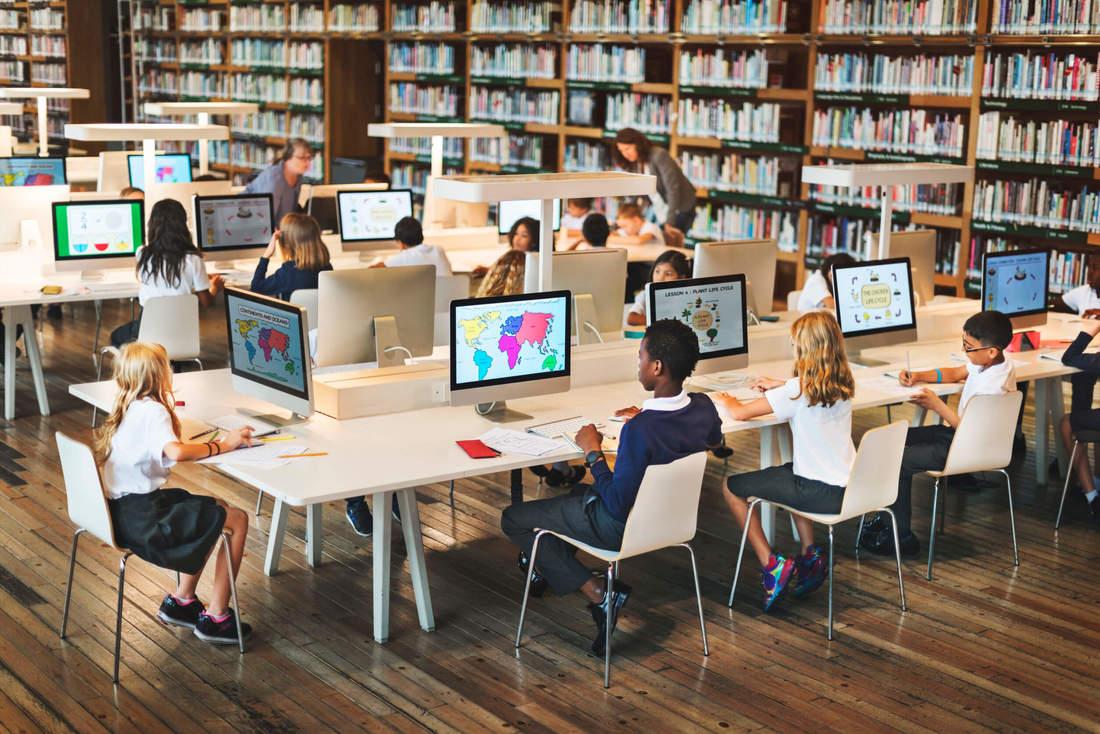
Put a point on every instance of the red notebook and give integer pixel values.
(475, 449)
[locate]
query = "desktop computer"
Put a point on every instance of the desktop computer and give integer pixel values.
(715, 309)
(367, 219)
(509, 347)
(269, 353)
(229, 227)
(97, 235)
(32, 171)
(26, 214)
(1016, 283)
(755, 258)
(509, 211)
(322, 201)
(920, 247)
(595, 278)
(378, 315)
(874, 304)
(168, 168)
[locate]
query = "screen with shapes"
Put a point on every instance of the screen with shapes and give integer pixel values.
(167, 168)
(1015, 282)
(32, 171)
(510, 340)
(714, 308)
(874, 296)
(233, 222)
(509, 211)
(265, 340)
(97, 229)
(372, 215)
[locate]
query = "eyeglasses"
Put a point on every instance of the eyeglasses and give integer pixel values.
(968, 350)
(305, 157)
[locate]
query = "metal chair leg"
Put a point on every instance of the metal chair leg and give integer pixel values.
(452, 494)
(897, 557)
(118, 618)
(830, 582)
(859, 533)
(932, 530)
(1065, 485)
(943, 509)
(698, 598)
(741, 553)
(527, 585)
(1012, 520)
(233, 590)
(609, 594)
(96, 357)
(69, 586)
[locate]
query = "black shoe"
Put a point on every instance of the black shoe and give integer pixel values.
(556, 478)
(878, 523)
(180, 615)
(54, 312)
(539, 584)
(722, 452)
(223, 632)
(882, 543)
(359, 518)
(618, 599)
(540, 471)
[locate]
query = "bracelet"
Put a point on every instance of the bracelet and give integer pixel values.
(209, 451)
(939, 375)
(217, 446)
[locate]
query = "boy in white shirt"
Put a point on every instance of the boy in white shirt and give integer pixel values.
(633, 229)
(987, 372)
(818, 290)
(575, 212)
(410, 237)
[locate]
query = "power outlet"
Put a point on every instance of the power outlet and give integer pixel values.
(439, 393)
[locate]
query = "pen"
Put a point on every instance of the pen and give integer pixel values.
(200, 434)
(908, 367)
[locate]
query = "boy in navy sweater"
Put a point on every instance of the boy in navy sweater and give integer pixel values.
(670, 426)
(1083, 417)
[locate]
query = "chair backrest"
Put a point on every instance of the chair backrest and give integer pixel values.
(83, 489)
(792, 300)
(172, 322)
(666, 509)
(983, 440)
(448, 288)
(307, 299)
(873, 480)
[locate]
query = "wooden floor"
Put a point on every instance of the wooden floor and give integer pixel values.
(985, 647)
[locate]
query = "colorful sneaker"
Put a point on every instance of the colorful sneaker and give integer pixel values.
(359, 517)
(223, 632)
(776, 576)
(810, 572)
(174, 612)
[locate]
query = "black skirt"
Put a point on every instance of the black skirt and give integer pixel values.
(170, 528)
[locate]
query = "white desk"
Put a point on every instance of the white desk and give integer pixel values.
(203, 111)
(41, 95)
(7, 140)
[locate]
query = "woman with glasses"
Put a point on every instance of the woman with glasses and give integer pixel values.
(283, 179)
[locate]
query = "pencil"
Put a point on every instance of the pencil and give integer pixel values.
(202, 433)
(295, 456)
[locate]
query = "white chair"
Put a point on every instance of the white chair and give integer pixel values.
(665, 513)
(792, 300)
(872, 486)
(982, 442)
(88, 511)
(448, 288)
(307, 299)
(1079, 437)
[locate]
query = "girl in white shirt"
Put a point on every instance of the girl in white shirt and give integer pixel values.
(670, 265)
(817, 402)
(818, 289)
(136, 447)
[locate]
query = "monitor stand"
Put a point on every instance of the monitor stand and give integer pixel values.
(499, 412)
(584, 316)
(278, 420)
(388, 350)
(859, 360)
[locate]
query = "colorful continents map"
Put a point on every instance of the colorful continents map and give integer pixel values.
(269, 341)
(499, 340)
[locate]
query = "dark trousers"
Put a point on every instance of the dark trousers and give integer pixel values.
(926, 448)
(125, 334)
(683, 220)
(580, 516)
(1082, 384)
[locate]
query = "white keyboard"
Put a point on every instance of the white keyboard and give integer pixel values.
(568, 426)
(105, 287)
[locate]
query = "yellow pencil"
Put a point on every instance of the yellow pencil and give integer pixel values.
(272, 439)
(295, 456)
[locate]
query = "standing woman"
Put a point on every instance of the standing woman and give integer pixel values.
(283, 179)
(674, 201)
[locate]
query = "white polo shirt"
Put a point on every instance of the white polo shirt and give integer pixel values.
(1081, 298)
(422, 255)
(814, 293)
(822, 436)
(996, 379)
(137, 464)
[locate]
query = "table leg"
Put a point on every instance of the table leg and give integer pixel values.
(275, 535)
(383, 527)
(9, 362)
(414, 546)
(919, 414)
(517, 486)
(1042, 407)
(34, 356)
(313, 535)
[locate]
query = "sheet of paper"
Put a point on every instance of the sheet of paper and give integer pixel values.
(888, 385)
(267, 454)
(520, 442)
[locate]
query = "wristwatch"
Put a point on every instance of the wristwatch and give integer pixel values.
(592, 457)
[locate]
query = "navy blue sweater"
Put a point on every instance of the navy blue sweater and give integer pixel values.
(655, 437)
(1075, 356)
(285, 281)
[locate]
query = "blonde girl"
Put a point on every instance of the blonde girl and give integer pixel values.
(505, 278)
(304, 254)
(171, 528)
(817, 402)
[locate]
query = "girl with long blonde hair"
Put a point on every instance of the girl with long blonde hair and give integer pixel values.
(304, 254)
(817, 402)
(136, 447)
(505, 278)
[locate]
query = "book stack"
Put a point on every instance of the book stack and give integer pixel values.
(886, 73)
(452, 147)
(920, 17)
(649, 113)
(515, 150)
(598, 62)
(202, 20)
(720, 118)
(205, 52)
(254, 88)
(422, 58)
(354, 18)
(515, 105)
(306, 92)
(1037, 203)
(419, 99)
(433, 17)
(306, 18)
(730, 222)
(510, 17)
(942, 199)
(723, 67)
(620, 16)
(257, 18)
(1006, 137)
(1045, 16)
(584, 155)
(902, 131)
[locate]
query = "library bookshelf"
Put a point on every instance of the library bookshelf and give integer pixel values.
(56, 43)
(743, 102)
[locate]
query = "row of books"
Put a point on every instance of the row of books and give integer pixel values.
(48, 73)
(422, 58)
(420, 99)
(364, 18)
(746, 174)
(1042, 75)
(203, 20)
(415, 177)
(13, 45)
(433, 17)
(598, 62)
(48, 46)
(159, 83)
(310, 126)
(1037, 203)
(731, 222)
(514, 60)
(905, 131)
(12, 71)
(1045, 16)
(734, 17)
(514, 150)
(891, 73)
(1068, 268)
(585, 155)
(264, 124)
(47, 19)
(159, 19)
(649, 113)
(720, 118)
(723, 67)
(305, 91)
(510, 17)
(1006, 137)
(452, 147)
(306, 18)
(620, 16)
(580, 107)
(156, 50)
(11, 20)
(258, 88)
(260, 53)
(205, 84)
(257, 18)
(827, 235)
(515, 105)
(928, 198)
(920, 17)
(202, 52)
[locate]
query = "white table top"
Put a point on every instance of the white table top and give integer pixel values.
(430, 129)
(11, 108)
(514, 187)
(168, 109)
(110, 131)
(886, 174)
(48, 92)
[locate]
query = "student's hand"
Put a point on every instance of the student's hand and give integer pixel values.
(271, 245)
(376, 265)
(627, 413)
(216, 283)
(905, 377)
(763, 384)
(236, 439)
(589, 439)
(479, 272)
(1091, 327)
(1092, 313)
(928, 400)
(726, 399)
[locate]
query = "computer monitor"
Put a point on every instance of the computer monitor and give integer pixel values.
(229, 227)
(509, 211)
(375, 315)
(269, 352)
(920, 247)
(347, 170)
(369, 217)
(715, 309)
(32, 171)
(596, 279)
(874, 304)
(1016, 283)
(755, 258)
(114, 174)
(509, 347)
(26, 214)
(97, 235)
(167, 168)
(322, 201)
